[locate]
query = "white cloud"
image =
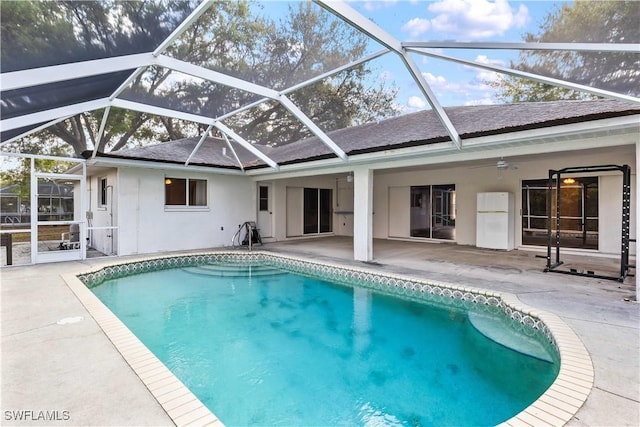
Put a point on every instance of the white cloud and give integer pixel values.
(436, 81)
(474, 91)
(476, 18)
(486, 75)
(416, 102)
(378, 4)
(416, 26)
(386, 76)
(486, 100)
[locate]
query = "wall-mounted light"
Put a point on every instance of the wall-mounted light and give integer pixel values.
(350, 177)
(167, 181)
(569, 181)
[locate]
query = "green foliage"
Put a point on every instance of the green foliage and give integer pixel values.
(231, 37)
(581, 22)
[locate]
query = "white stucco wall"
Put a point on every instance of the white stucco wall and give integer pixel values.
(103, 216)
(288, 221)
(471, 180)
(147, 226)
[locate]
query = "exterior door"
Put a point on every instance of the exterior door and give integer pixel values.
(57, 202)
(578, 209)
(265, 210)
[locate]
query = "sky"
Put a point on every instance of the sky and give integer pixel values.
(450, 20)
(459, 20)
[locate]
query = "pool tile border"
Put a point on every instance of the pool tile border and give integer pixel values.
(555, 407)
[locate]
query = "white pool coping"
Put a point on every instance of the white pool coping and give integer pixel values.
(555, 407)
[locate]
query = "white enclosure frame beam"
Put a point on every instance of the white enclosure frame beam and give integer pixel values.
(293, 109)
(584, 47)
(226, 140)
(53, 114)
(335, 71)
(308, 82)
(145, 108)
(126, 83)
(36, 129)
(214, 76)
(76, 70)
(197, 147)
(103, 124)
(193, 16)
(159, 111)
(240, 140)
(343, 11)
(531, 76)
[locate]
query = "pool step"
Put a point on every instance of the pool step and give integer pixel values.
(234, 270)
(497, 329)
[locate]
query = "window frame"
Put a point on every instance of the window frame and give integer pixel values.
(187, 206)
(103, 184)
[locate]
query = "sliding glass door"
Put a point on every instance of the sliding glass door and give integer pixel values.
(433, 211)
(318, 216)
(578, 212)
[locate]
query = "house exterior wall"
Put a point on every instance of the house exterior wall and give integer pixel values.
(151, 227)
(391, 211)
(472, 180)
(103, 239)
(287, 206)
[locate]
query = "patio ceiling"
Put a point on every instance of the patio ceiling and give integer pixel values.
(34, 97)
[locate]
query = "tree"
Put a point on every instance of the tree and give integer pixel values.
(583, 21)
(230, 37)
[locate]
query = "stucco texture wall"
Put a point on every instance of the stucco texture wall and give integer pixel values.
(147, 226)
(472, 180)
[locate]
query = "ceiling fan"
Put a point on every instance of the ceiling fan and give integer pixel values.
(501, 165)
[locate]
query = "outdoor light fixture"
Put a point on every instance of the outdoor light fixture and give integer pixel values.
(569, 181)
(167, 181)
(349, 177)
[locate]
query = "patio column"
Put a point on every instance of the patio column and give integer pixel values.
(635, 219)
(362, 214)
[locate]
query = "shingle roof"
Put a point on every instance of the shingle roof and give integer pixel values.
(419, 128)
(213, 152)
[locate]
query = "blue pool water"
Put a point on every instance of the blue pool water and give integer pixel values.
(275, 348)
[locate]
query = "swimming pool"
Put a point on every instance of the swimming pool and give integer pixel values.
(554, 407)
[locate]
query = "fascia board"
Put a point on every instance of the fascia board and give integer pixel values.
(575, 136)
(145, 164)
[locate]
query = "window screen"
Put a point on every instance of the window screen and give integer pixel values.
(185, 192)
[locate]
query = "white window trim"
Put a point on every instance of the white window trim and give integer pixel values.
(186, 207)
(101, 206)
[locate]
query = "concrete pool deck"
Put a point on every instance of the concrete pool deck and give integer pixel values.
(73, 368)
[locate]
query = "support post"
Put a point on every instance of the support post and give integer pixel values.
(363, 214)
(637, 235)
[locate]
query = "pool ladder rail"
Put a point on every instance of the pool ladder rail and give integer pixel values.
(251, 236)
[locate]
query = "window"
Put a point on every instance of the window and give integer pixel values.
(578, 212)
(318, 216)
(263, 198)
(103, 192)
(185, 192)
(433, 211)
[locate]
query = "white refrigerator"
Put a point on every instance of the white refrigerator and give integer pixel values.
(495, 221)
